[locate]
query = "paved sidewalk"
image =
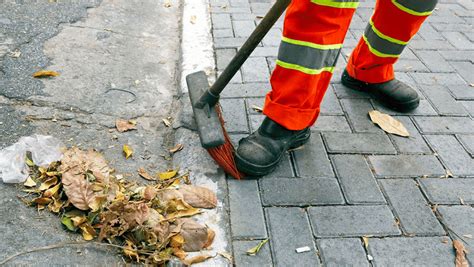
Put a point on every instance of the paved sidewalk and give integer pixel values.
(352, 179)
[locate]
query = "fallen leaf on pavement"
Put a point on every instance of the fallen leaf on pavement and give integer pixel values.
(128, 151)
(45, 73)
(461, 251)
(66, 221)
(29, 182)
(193, 19)
(15, 54)
(253, 251)
(366, 241)
(197, 259)
(226, 255)
(125, 125)
(257, 108)
(167, 3)
(88, 233)
(198, 196)
(166, 122)
(388, 123)
(176, 148)
(145, 175)
(167, 175)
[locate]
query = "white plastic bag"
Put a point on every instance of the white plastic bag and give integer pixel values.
(44, 150)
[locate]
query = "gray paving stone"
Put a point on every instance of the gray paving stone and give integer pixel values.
(259, 102)
(454, 55)
(448, 191)
(460, 219)
(357, 113)
(255, 69)
(423, 109)
(342, 252)
(232, 42)
(223, 57)
(330, 104)
(312, 160)
(350, 221)
(265, 51)
(300, 191)
(243, 28)
(221, 21)
(222, 33)
(442, 101)
(331, 124)
(414, 143)
(246, 213)
(234, 115)
(434, 61)
(241, 259)
(284, 168)
(345, 92)
(255, 121)
(289, 229)
(411, 208)
(406, 166)
(449, 27)
(462, 92)
(273, 38)
(246, 90)
(447, 125)
(438, 78)
(468, 142)
(431, 44)
(427, 32)
(411, 251)
(242, 16)
(453, 155)
(357, 182)
(458, 40)
(366, 143)
(228, 9)
(465, 69)
(410, 65)
(469, 106)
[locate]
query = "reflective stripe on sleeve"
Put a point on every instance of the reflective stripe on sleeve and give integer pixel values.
(380, 44)
(337, 3)
(416, 7)
(307, 57)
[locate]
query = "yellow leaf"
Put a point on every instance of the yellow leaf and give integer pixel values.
(29, 182)
(48, 183)
(88, 232)
(176, 148)
(253, 251)
(177, 241)
(55, 206)
(167, 175)
(388, 123)
(197, 259)
(52, 191)
(179, 253)
(128, 151)
(226, 255)
(175, 183)
(366, 241)
(183, 213)
(97, 202)
(78, 220)
(130, 251)
(45, 73)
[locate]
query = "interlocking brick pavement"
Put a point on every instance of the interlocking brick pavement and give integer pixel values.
(352, 179)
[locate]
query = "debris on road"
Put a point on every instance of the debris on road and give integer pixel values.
(303, 249)
(253, 251)
(151, 223)
(45, 73)
(127, 151)
(125, 125)
(388, 123)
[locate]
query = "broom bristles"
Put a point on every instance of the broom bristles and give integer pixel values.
(223, 155)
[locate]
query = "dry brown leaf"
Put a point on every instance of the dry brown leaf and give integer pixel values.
(127, 150)
(366, 241)
(198, 196)
(88, 233)
(388, 123)
(210, 238)
(149, 193)
(257, 109)
(176, 148)
(179, 253)
(145, 175)
(42, 200)
(166, 122)
(197, 259)
(177, 241)
(195, 235)
(226, 255)
(461, 252)
(125, 125)
(45, 73)
(48, 183)
(78, 190)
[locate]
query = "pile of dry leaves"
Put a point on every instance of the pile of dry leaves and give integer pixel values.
(151, 223)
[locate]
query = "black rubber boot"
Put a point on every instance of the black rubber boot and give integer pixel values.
(259, 153)
(393, 94)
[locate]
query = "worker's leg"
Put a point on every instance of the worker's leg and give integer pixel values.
(392, 25)
(313, 33)
(370, 66)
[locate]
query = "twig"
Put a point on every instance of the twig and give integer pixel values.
(65, 244)
(123, 90)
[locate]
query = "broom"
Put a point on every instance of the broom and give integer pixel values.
(204, 99)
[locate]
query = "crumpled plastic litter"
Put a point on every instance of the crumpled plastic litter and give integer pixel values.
(44, 150)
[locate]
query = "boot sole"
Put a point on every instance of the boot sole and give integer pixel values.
(255, 170)
(361, 87)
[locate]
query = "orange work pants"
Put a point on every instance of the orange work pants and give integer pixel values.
(313, 33)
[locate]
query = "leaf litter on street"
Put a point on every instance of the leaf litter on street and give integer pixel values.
(45, 73)
(388, 123)
(149, 223)
(125, 125)
(253, 251)
(461, 252)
